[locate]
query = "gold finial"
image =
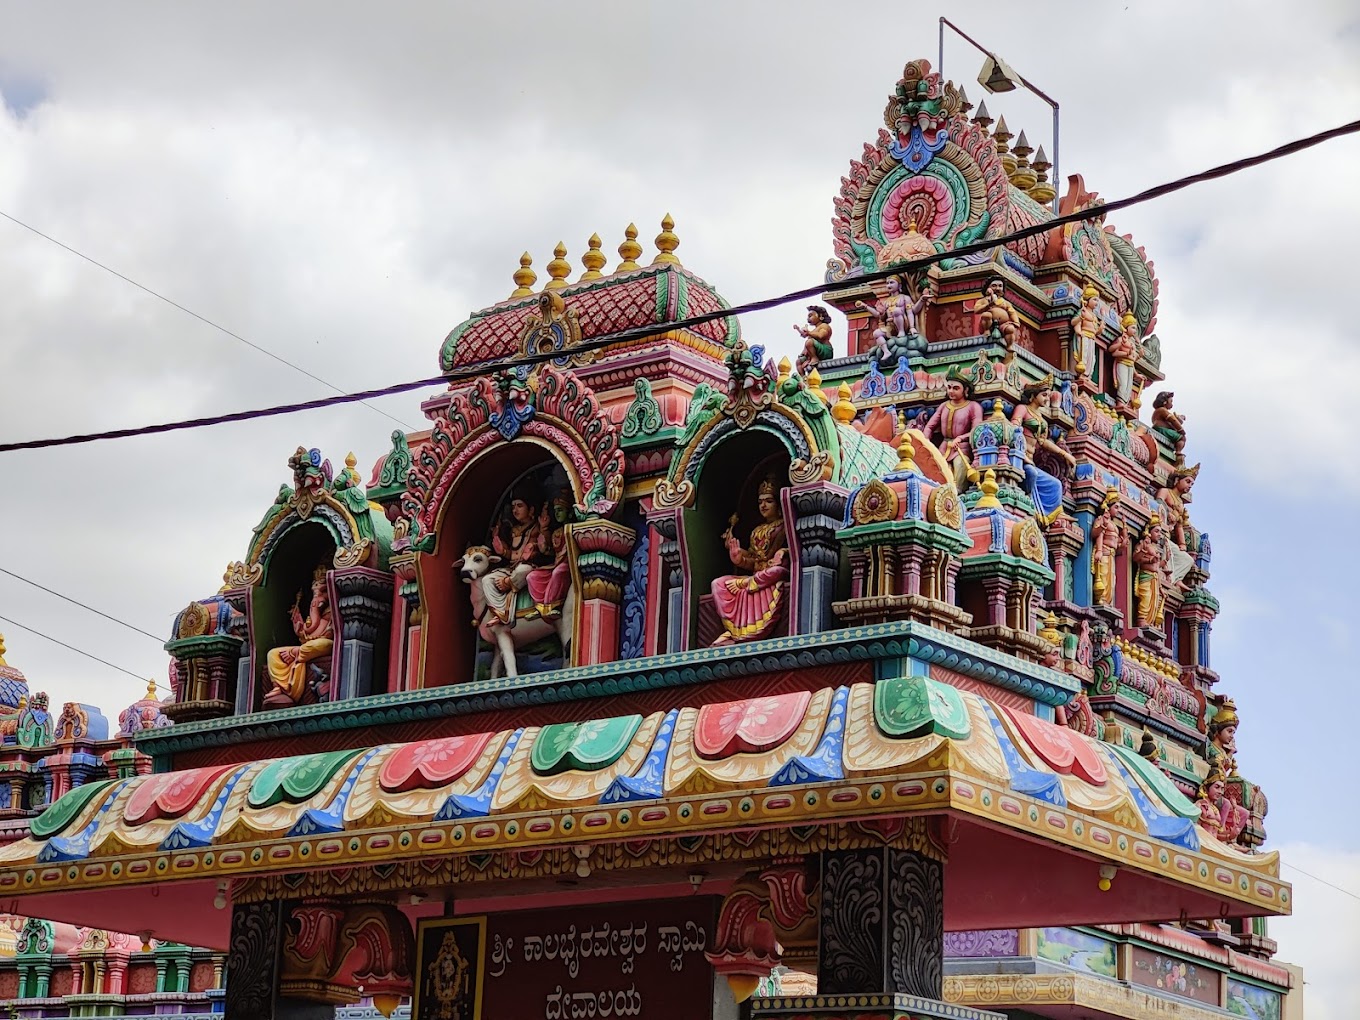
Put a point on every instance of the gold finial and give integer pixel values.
(666, 242)
(1023, 175)
(998, 409)
(814, 381)
(1050, 631)
(1000, 137)
(906, 449)
(629, 250)
(982, 118)
(785, 367)
(524, 277)
(2, 651)
(843, 410)
(593, 259)
(1041, 190)
(989, 491)
(559, 268)
(151, 690)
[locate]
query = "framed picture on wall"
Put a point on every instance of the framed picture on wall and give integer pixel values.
(450, 968)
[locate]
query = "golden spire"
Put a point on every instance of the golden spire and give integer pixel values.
(2, 651)
(814, 383)
(593, 259)
(524, 277)
(785, 367)
(989, 491)
(906, 450)
(1000, 137)
(151, 690)
(1041, 191)
(998, 409)
(559, 268)
(1050, 631)
(843, 410)
(666, 243)
(629, 250)
(1023, 176)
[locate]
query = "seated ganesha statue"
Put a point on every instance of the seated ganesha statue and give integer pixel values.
(291, 668)
(750, 604)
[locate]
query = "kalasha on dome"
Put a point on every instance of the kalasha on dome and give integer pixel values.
(660, 677)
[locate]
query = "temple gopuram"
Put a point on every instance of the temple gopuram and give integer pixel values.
(658, 677)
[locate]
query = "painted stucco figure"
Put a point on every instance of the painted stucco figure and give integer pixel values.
(953, 422)
(1085, 328)
(289, 667)
(1108, 535)
(816, 339)
(898, 332)
(1123, 352)
(995, 316)
(1222, 818)
(1031, 414)
(1150, 580)
(549, 583)
(750, 603)
(1167, 422)
(1175, 496)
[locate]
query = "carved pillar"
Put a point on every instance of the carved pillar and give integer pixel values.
(239, 598)
(253, 960)
(364, 612)
(207, 667)
(667, 525)
(818, 510)
(601, 551)
(881, 924)
(161, 964)
(996, 589)
(405, 602)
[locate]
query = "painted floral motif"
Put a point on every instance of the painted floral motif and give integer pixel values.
(171, 794)
(748, 726)
(1062, 749)
(430, 763)
(587, 745)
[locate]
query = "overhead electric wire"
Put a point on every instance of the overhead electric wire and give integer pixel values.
(189, 311)
(1315, 878)
(78, 651)
(82, 605)
(636, 332)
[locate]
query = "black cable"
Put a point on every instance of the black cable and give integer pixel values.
(82, 605)
(78, 651)
(652, 329)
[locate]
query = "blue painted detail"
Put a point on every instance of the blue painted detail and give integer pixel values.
(826, 762)
(904, 379)
(478, 803)
(332, 817)
(1203, 659)
(645, 784)
(509, 421)
(1079, 422)
(1066, 391)
(632, 643)
(1044, 712)
(1163, 826)
(1045, 786)
(998, 543)
(1085, 471)
(917, 153)
(77, 847)
(187, 835)
(874, 385)
(915, 511)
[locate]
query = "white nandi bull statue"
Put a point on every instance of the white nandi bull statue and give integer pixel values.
(509, 619)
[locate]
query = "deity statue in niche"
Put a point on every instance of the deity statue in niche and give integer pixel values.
(1108, 535)
(816, 339)
(520, 581)
(1170, 424)
(1174, 496)
(898, 334)
(1149, 559)
(953, 421)
(298, 673)
(1222, 749)
(994, 315)
(1222, 818)
(750, 603)
(1086, 327)
(1124, 352)
(1031, 414)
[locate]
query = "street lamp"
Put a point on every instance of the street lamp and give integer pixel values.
(997, 76)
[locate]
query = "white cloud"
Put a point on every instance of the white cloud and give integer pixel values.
(1323, 935)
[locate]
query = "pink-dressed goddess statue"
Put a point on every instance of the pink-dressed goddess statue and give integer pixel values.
(953, 421)
(548, 585)
(1221, 817)
(750, 604)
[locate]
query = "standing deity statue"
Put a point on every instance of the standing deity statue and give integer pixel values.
(1124, 352)
(1222, 748)
(994, 315)
(816, 339)
(1108, 535)
(1031, 414)
(549, 583)
(953, 421)
(289, 666)
(749, 604)
(1174, 496)
(1222, 818)
(1086, 327)
(1149, 559)
(897, 333)
(1170, 424)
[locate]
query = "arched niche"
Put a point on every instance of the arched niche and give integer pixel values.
(449, 646)
(726, 482)
(294, 557)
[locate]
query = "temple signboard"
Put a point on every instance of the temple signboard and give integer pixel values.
(621, 960)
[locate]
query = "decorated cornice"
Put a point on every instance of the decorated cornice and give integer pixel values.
(872, 643)
(867, 752)
(1112, 998)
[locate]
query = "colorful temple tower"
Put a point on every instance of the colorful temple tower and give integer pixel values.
(659, 678)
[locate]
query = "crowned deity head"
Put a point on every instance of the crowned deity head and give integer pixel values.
(1037, 390)
(1089, 296)
(1183, 479)
(1223, 728)
(1213, 786)
(767, 499)
(958, 386)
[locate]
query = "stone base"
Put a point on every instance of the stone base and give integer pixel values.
(883, 608)
(1019, 643)
(864, 1007)
(190, 711)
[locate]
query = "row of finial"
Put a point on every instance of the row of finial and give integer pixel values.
(594, 259)
(1030, 176)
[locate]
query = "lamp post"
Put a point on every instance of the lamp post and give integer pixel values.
(997, 76)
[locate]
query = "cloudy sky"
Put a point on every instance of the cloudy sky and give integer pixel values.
(342, 188)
